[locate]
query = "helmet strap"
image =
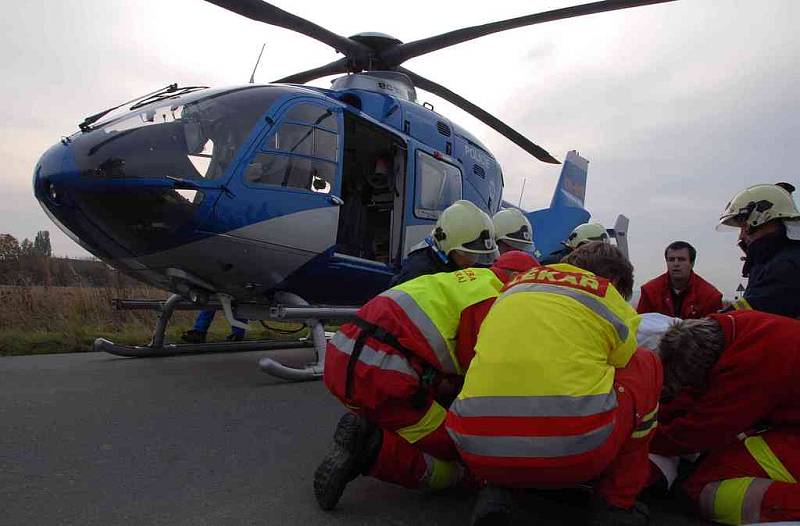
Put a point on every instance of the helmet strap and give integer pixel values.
(436, 250)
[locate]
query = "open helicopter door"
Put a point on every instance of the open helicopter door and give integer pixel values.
(372, 189)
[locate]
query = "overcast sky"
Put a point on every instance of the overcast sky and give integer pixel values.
(676, 106)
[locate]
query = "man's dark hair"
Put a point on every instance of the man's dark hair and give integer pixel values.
(606, 261)
(688, 351)
(678, 245)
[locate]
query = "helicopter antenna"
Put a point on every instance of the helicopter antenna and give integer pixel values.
(519, 204)
(253, 74)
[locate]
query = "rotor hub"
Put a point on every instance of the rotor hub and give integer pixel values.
(377, 42)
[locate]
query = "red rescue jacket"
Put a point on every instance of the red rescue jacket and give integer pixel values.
(754, 381)
(700, 298)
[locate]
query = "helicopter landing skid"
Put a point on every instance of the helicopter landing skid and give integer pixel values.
(174, 349)
(288, 306)
(156, 347)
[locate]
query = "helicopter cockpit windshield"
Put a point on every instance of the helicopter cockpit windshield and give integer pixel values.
(139, 172)
(187, 137)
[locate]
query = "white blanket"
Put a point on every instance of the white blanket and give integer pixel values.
(652, 328)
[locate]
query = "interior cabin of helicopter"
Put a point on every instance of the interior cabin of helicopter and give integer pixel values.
(372, 190)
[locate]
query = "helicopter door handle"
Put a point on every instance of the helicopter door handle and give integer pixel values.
(335, 199)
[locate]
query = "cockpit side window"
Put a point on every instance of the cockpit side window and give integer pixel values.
(314, 115)
(214, 129)
(301, 152)
(438, 185)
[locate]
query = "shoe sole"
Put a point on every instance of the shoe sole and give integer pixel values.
(495, 518)
(494, 507)
(337, 468)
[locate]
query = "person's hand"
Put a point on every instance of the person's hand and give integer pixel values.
(447, 389)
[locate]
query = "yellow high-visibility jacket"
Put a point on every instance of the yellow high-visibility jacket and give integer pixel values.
(548, 348)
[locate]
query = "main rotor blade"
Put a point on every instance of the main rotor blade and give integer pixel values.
(332, 68)
(487, 118)
(398, 54)
(269, 14)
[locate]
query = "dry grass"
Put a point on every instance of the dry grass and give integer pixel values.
(56, 309)
(37, 320)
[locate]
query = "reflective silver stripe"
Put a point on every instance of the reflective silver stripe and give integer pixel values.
(428, 470)
(708, 495)
(373, 357)
(524, 406)
(532, 447)
(593, 304)
(751, 504)
(422, 321)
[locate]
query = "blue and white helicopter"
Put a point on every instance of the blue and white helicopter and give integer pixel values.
(285, 200)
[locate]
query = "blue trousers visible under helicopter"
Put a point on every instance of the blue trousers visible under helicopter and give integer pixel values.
(204, 319)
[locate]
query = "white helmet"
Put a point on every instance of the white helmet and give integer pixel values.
(512, 227)
(465, 227)
(759, 204)
(586, 233)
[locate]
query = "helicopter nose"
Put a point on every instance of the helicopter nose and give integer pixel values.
(52, 174)
(56, 183)
(109, 208)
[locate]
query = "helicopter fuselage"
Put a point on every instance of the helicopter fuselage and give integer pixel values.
(256, 189)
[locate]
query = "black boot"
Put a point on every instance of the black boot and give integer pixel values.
(603, 514)
(235, 337)
(356, 444)
(194, 336)
(494, 507)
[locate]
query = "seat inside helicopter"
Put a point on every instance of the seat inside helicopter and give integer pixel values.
(373, 179)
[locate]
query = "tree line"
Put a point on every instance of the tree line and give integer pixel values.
(31, 263)
(11, 249)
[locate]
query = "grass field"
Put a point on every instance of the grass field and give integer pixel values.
(41, 320)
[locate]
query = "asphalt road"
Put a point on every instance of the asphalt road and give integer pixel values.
(93, 439)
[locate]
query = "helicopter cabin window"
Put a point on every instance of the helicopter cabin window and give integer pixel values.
(304, 140)
(438, 186)
(291, 171)
(312, 114)
(300, 153)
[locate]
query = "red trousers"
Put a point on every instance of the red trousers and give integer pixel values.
(764, 499)
(638, 388)
(619, 466)
(427, 463)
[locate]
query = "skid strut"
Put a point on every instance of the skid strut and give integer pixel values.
(298, 308)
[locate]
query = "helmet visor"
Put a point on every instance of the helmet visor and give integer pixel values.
(516, 244)
(522, 235)
(484, 243)
(731, 221)
(479, 259)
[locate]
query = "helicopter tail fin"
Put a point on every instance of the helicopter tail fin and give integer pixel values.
(553, 225)
(571, 188)
(620, 233)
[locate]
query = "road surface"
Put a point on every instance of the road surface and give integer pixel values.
(93, 439)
